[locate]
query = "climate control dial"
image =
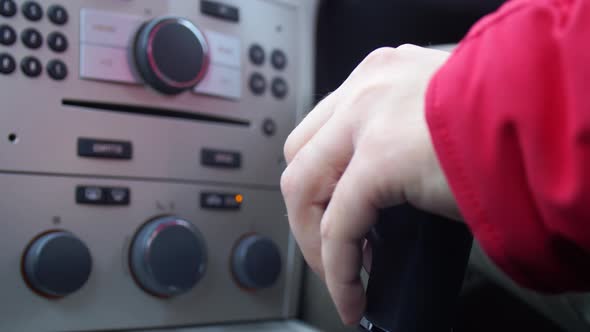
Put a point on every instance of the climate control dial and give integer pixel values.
(168, 256)
(57, 264)
(171, 54)
(256, 262)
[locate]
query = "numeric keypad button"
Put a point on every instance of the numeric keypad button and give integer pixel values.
(32, 11)
(57, 70)
(32, 38)
(7, 64)
(57, 42)
(57, 15)
(31, 66)
(7, 8)
(7, 35)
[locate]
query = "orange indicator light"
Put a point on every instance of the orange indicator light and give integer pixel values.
(239, 198)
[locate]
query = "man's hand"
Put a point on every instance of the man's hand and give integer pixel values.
(364, 147)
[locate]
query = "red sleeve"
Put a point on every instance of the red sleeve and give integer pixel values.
(509, 115)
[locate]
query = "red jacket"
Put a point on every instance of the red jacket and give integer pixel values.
(509, 115)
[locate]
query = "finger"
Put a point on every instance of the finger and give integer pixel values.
(308, 127)
(308, 183)
(347, 220)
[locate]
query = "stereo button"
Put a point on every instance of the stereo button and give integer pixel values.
(31, 66)
(257, 84)
(221, 201)
(221, 82)
(32, 11)
(225, 49)
(220, 10)
(223, 159)
(89, 147)
(57, 42)
(32, 38)
(105, 63)
(118, 196)
(57, 15)
(7, 63)
(7, 35)
(90, 195)
(7, 8)
(279, 88)
(278, 59)
(256, 54)
(106, 28)
(57, 70)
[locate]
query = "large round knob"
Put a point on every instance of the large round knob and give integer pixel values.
(171, 54)
(57, 264)
(256, 262)
(168, 256)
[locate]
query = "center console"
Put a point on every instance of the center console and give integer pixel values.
(140, 157)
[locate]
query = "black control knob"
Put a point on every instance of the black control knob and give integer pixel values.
(171, 54)
(256, 262)
(168, 256)
(57, 264)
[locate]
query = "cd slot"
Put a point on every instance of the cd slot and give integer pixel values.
(155, 111)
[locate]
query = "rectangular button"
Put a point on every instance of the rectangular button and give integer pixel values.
(225, 49)
(107, 28)
(221, 201)
(221, 82)
(102, 195)
(220, 10)
(94, 148)
(90, 195)
(223, 159)
(105, 63)
(117, 196)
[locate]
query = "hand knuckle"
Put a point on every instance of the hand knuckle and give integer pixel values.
(289, 183)
(326, 230)
(380, 55)
(290, 148)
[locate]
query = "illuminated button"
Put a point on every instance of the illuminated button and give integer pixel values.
(222, 159)
(225, 49)
(7, 35)
(57, 42)
(105, 63)
(89, 147)
(221, 82)
(221, 201)
(32, 11)
(31, 66)
(31, 38)
(107, 28)
(57, 15)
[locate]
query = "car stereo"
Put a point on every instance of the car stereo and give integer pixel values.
(140, 157)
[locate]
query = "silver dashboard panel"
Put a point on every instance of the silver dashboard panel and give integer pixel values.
(40, 169)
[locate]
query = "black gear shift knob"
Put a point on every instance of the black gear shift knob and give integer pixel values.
(418, 265)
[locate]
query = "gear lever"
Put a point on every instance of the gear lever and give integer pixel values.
(417, 270)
